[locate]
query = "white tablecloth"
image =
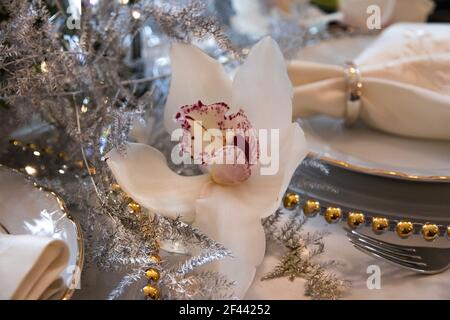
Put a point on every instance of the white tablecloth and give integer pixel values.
(396, 283)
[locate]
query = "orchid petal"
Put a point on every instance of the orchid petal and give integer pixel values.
(262, 87)
(262, 194)
(195, 76)
(232, 215)
(231, 222)
(144, 175)
(266, 191)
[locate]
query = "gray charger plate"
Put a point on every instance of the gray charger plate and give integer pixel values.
(392, 198)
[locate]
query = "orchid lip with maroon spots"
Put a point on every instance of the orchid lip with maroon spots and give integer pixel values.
(232, 147)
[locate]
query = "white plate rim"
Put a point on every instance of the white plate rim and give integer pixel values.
(80, 241)
(377, 171)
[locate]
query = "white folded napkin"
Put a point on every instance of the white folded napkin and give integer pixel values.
(30, 266)
(405, 77)
(355, 12)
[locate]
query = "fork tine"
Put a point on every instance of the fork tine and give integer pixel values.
(406, 263)
(386, 249)
(404, 258)
(401, 255)
(384, 244)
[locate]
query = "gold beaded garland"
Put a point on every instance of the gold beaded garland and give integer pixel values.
(63, 156)
(311, 208)
(333, 214)
(404, 229)
(355, 219)
(152, 274)
(430, 231)
(79, 164)
(154, 258)
(291, 200)
(32, 146)
(379, 225)
(134, 207)
(48, 150)
(115, 187)
(16, 143)
(151, 291)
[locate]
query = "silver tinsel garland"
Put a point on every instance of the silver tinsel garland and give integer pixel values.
(85, 87)
(80, 91)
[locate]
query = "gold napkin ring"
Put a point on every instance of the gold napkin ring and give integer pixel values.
(354, 86)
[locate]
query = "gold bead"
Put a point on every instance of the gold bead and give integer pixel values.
(291, 200)
(379, 225)
(152, 274)
(32, 146)
(115, 187)
(404, 229)
(79, 164)
(448, 232)
(355, 219)
(151, 291)
(333, 214)
(311, 208)
(155, 258)
(127, 198)
(48, 150)
(16, 143)
(63, 156)
(430, 231)
(134, 207)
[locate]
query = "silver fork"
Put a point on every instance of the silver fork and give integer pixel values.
(420, 259)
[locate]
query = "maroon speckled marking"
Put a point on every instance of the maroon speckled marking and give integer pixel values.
(236, 121)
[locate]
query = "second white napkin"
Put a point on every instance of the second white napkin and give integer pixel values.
(405, 78)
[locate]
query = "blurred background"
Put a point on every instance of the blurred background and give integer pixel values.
(441, 13)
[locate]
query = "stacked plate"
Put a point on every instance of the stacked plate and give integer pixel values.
(419, 169)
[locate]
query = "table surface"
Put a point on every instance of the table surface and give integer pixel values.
(340, 186)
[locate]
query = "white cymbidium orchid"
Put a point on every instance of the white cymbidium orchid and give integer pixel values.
(228, 202)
